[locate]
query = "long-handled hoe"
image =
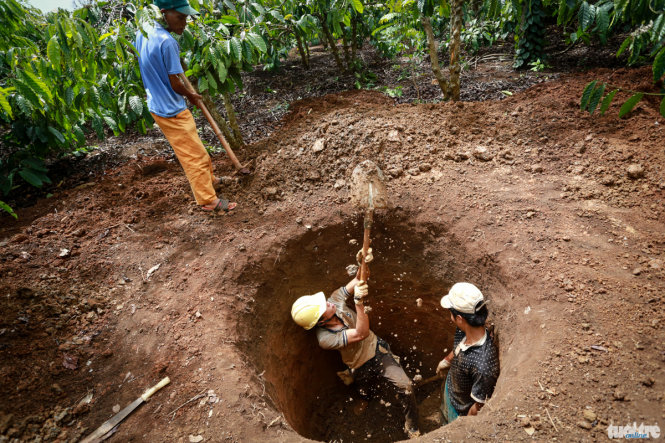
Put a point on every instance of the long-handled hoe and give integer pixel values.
(213, 124)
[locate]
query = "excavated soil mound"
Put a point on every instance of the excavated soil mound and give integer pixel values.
(556, 215)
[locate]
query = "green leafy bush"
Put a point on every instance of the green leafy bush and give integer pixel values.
(645, 43)
(60, 80)
(530, 39)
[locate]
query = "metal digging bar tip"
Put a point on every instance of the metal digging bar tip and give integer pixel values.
(368, 192)
(236, 164)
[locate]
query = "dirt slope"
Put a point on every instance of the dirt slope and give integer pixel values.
(525, 197)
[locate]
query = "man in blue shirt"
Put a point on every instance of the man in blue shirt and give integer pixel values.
(162, 74)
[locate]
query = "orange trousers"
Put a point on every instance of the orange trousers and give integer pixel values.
(181, 133)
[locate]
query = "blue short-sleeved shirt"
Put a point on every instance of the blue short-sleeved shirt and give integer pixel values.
(159, 56)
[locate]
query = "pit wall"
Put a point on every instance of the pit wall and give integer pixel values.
(411, 262)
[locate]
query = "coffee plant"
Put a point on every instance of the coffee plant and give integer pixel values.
(645, 43)
(60, 79)
(530, 37)
(66, 76)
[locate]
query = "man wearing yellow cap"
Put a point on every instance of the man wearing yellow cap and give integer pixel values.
(371, 363)
(474, 360)
(162, 74)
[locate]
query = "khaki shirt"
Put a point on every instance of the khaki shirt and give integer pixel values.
(354, 355)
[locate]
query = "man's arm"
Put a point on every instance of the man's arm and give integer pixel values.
(444, 364)
(483, 387)
(351, 286)
(170, 52)
(358, 289)
(180, 86)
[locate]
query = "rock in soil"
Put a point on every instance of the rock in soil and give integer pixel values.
(482, 154)
(584, 424)
(589, 415)
(635, 171)
(319, 145)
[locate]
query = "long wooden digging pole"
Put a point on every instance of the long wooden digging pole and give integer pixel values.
(367, 224)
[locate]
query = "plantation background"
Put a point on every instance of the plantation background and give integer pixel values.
(68, 75)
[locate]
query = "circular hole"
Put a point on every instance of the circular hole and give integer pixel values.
(411, 263)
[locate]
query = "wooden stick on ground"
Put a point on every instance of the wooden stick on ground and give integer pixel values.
(551, 421)
(196, 397)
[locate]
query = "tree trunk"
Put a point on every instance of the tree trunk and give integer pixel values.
(354, 37)
(434, 57)
(345, 46)
(303, 54)
(332, 43)
(456, 18)
(323, 39)
(233, 121)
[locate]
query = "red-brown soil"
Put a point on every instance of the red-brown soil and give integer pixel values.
(546, 221)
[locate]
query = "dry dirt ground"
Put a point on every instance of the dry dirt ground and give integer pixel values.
(556, 215)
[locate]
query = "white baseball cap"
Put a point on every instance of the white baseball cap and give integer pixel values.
(463, 297)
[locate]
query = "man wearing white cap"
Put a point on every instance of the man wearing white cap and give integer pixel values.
(370, 362)
(474, 360)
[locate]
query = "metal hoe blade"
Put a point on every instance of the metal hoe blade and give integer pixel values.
(368, 190)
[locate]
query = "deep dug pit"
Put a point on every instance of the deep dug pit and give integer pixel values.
(412, 261)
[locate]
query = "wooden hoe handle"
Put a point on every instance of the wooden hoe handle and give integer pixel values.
(215, 128)
(150, 392)
(220, 136)
(366, 240)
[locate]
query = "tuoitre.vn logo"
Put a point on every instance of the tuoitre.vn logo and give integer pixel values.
(633, 431)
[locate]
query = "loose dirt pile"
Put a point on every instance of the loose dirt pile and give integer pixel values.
(555, 215)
